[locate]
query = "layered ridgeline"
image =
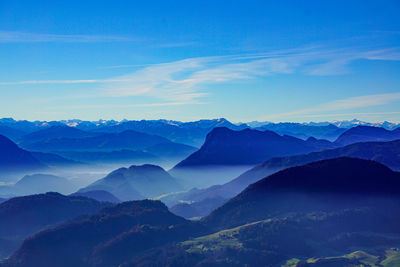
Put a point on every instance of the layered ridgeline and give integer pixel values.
(328, 185)
(124, 140)
(99, 195)
(326, 208)
(367, 134)
(136, 182)
(386, 153)
(227, 147)
(109, 238)
(53, 132)
(38, 183)
(226, 150)
(23, 216)
(84, 146)
(14, 159)
(11, 133)
(303, 131)
(319, 210)
(190, 133)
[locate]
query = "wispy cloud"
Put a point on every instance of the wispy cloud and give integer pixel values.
(122, 106)
(190, 79)
(342, 104)
(26, 37)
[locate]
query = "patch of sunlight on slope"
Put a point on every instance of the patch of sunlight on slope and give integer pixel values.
(391, 258)
(218, 240)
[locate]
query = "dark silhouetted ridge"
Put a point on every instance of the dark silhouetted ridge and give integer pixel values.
(324, 185)
(108, 238)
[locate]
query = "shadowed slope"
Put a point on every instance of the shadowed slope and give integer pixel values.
(323, 185)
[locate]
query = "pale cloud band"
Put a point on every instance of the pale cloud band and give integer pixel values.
(190, 79)
(26, 37)
(337, 105)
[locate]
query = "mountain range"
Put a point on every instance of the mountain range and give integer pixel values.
(301, 216)
(386, 153)
(136, 182)
(246, 147)
(53, 132)
(38, 183)
(190, 133)
(367, 133)
(227, 153)
(15, 159)
(318, 210)
(304, 131)
(129, 145)
(99, 195)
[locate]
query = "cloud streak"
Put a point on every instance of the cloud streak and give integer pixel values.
(190, 79)
(26, 37)
(342, 104)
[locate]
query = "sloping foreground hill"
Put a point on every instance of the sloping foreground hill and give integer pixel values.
(287, 241)
(387, 258)
(15, 159)
(367, 134)
(136, 182)
(108, 238)
(386, 153)
(323, 186)
(322, 209)
(23, 216)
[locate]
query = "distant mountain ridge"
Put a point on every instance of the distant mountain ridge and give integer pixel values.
(99, 195)
(304, 131)
(15, 159)
(366, 134)
(124, 140)
(136, 182)
(227, 147)
(39, 184)
(190, 133)
(54, 132)
(386, 153)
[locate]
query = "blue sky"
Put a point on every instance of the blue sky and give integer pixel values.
(187, 60)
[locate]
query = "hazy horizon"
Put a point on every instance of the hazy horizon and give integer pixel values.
(211, 118)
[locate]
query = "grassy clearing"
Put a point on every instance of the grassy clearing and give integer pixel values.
(218, 240)
(391, 259)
